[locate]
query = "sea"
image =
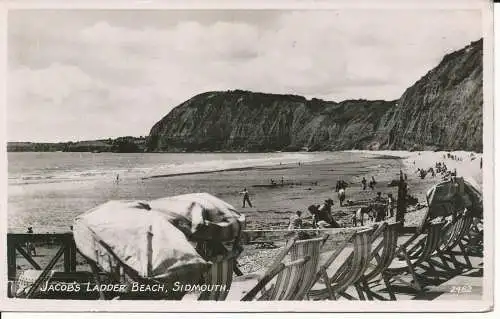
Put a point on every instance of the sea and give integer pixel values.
(47, 190)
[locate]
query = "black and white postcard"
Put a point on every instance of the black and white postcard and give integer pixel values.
(247, 156)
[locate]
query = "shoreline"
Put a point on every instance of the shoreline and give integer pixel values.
(274, 206)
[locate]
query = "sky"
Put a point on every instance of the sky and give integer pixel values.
(88, 74)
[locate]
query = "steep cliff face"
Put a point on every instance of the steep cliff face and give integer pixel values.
(246, 121)
(442, 110)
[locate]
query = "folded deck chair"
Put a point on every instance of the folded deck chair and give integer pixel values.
(423, 252)
(349, 272)
(219, 275)
(287, 282)
(306, 248)
(453, 237)
(382, 256)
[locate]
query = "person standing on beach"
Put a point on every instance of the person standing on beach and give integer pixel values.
(401, 201)
(246, 198)
(372, 183)
(296, 221)
(30, 247)
(117, 178)
(341, 195)
(363, 182)
(380, 208)
(390, 205)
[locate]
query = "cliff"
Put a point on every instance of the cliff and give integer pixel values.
(443, 110)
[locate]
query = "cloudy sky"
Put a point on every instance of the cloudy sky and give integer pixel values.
(75, 75)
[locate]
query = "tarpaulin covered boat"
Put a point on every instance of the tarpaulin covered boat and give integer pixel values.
(156, 240)
(455, 195)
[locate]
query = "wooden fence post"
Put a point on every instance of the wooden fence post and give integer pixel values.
(11, 258)
(401, 202)
(72, 254)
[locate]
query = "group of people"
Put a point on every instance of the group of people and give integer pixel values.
(380, 209)
(273, 182)
(453, 157)
(439, 168)
(321, 217)
(371, 184)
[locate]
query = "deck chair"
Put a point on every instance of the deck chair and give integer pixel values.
(382, 256)
(292, 278)
(221, 273)
(453, 237)
(415, 257)
(287, 282)
(473, 238)
(349, 272)
(301, 249)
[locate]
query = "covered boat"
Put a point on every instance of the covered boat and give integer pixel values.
(454, 195)
(167, 240)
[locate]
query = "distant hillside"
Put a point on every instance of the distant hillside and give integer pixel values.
(443, 110)
(127, 144)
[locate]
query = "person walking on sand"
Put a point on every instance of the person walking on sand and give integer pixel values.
(246, 198)
(117, 178)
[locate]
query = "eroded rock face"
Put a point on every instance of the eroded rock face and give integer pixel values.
(246, 121)
(442, 110)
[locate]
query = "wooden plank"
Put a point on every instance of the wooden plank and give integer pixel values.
(270, 274)
(11, 259)
(27, 257)
(66, 257)
(72, 254)
(45, 272)
(23, 238)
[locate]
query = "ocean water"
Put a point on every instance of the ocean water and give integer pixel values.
(47, 190)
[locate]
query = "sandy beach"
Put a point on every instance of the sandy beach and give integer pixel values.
(306, 184)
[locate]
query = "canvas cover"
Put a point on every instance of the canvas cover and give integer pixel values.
(201, 216)
(140, 237)
(454, 195)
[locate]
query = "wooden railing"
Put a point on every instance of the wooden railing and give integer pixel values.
(17, 243)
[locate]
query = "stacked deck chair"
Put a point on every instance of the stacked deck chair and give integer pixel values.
(453, 238)
(382, 256)
(302, 249)
(414, 257)
(220, 274)
(349, 273)
(288, 278)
